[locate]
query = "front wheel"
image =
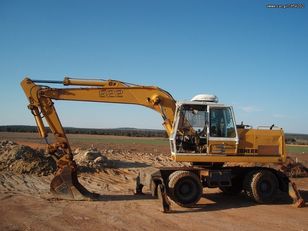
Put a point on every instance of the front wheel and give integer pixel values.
(185, 188)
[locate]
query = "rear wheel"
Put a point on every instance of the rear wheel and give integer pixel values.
(185, 188)
(264, 186)
(261, 186)
(247, 184)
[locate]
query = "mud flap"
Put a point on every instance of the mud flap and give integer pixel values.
(298, 201)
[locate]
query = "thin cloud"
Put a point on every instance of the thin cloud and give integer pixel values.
(280, 116)
(250, 109)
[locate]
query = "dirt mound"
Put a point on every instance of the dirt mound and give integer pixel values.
(91, 160)
(293, 168)
(23, 159)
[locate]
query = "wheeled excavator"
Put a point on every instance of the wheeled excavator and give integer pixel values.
(202, 132)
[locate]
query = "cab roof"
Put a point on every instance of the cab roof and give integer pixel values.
(187, 102)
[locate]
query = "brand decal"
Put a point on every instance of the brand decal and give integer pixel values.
(111, 93)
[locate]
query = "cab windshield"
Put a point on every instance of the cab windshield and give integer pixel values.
(192, 129)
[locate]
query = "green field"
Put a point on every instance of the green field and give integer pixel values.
(117, 140)
(303, 149)
(84, 138)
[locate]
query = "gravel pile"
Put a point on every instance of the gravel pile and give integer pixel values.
(91, 160)
(23, 159)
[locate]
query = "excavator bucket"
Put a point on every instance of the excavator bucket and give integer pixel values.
(65, 185)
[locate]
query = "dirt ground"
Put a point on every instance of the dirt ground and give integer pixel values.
(26, 203)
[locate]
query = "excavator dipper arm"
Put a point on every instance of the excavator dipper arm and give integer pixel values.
(65, 184)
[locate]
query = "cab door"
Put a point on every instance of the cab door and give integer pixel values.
(222, 133)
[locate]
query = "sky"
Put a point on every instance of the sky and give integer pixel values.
(251, 56)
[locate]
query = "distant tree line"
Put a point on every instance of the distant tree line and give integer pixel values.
(301, 139)
(93, 131)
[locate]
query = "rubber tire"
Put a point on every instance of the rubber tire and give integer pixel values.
(179, 183)
(264, 186)
(247, 184)
(234, 189)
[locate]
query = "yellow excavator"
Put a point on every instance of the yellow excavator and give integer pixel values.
(202, 132)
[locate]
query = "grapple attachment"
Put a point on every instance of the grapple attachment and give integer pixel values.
(65, 184)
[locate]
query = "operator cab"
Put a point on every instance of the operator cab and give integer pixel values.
(203, 126)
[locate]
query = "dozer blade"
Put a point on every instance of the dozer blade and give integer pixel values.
(65, 185)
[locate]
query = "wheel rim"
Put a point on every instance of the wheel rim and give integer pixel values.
(186, 191)
(266, 188)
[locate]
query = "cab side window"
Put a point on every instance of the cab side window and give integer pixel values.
(221, 123)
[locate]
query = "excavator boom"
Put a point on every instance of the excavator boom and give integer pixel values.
(65, 184)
